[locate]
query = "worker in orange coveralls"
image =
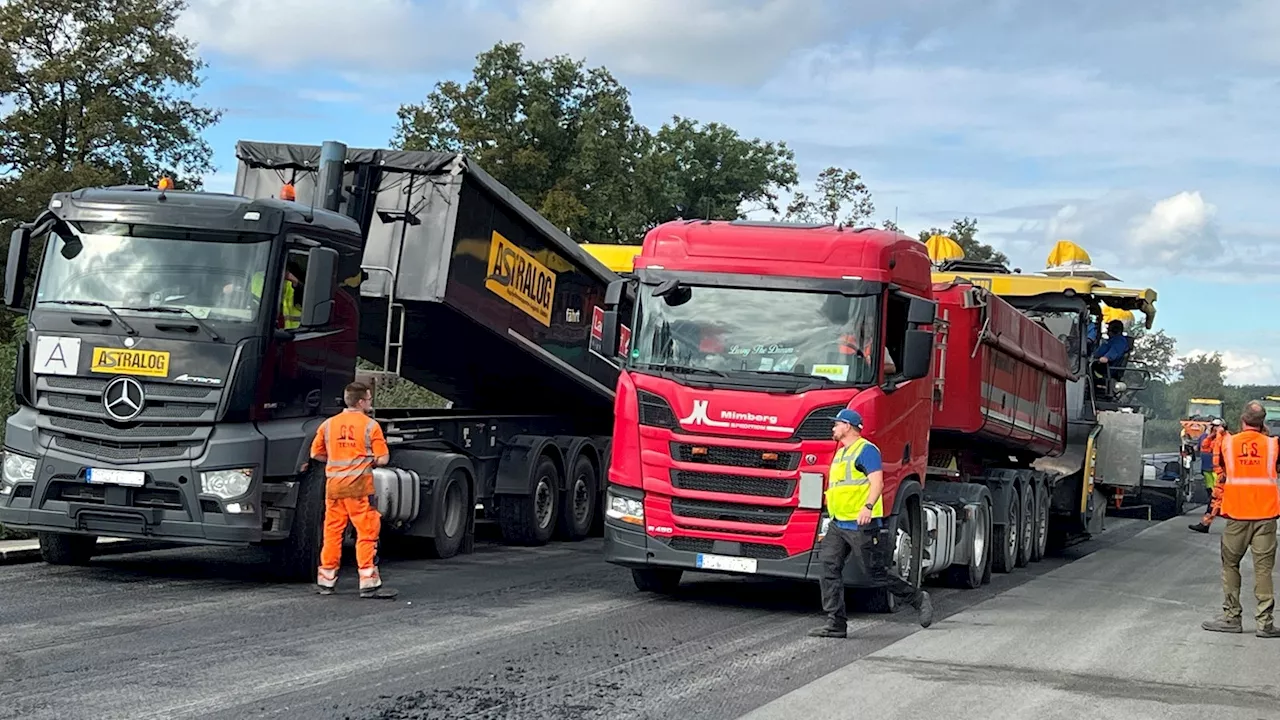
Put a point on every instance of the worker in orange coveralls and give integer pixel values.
(351, 444)
(1211, 456)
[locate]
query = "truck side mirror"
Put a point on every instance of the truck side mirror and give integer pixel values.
(15, 273)
(921, 311)
(917, 354)
(609, 333)
(317, 294)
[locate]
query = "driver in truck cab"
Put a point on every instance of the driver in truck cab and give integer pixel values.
(290, 315)
(351, 444)
(855, 486)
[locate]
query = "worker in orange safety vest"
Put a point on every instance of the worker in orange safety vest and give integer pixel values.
(1251, 505)
(1211, 463)
(351, 444)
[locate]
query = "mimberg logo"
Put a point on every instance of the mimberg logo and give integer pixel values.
(515, 276)
(734, 420)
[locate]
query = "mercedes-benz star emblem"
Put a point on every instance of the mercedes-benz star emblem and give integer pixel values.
(123, 399)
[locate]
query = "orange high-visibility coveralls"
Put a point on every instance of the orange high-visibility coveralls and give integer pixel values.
(352, 441)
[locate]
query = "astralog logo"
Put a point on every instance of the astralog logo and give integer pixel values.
(734, 420)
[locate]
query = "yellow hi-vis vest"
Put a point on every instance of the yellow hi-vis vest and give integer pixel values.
(848, 487)
(292, 313)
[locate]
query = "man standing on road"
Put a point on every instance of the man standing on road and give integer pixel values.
(351, 444)
(855, 502)
(1251, 505)
(1211, 466)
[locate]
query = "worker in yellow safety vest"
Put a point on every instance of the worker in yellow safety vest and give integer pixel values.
(855, 502)
(290, 311)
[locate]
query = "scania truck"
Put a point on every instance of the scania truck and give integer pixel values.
(749, 337)
(182, 348)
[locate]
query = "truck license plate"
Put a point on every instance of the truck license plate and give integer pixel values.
(104, 476)
(730, 564)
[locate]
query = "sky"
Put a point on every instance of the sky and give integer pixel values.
(1142, 130)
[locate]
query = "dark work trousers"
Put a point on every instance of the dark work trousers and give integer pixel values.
(837, 545)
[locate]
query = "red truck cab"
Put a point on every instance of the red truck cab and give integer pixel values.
(747, 339)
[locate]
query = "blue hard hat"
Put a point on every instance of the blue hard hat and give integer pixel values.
(849, 416)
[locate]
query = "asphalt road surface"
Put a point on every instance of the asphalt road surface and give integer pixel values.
(548, 632)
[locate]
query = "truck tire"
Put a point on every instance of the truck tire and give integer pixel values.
(451, 518)
(531, 519)
(580, 500)
(972, 575)
(298, 558)
(61, 549)
(1004, 538)
(664, 581)
(1040, 547)
(1026, 524)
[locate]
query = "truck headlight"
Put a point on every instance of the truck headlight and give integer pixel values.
(625, 509)
(226, 484)
(17, 468)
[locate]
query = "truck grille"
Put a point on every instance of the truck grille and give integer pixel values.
(759, 551)
(736, 456)
(175, 421)
(733, 484)
(733, 512)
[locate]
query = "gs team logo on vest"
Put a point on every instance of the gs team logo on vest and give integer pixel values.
(515, 276)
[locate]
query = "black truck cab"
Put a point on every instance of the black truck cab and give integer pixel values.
(180, 350)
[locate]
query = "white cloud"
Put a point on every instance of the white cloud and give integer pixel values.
(1243, 367)
(1179, 230)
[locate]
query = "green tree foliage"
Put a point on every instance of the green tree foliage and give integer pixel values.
(1154, 351)
(562, 136)
(965, 232)
(95, 92)
(841, 197)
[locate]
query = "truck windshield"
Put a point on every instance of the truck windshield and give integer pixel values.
(213, 278)
(1200, 410)
(738, 331)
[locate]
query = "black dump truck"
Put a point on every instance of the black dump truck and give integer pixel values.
(183, 347)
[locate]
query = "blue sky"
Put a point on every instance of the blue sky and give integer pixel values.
(1143, 130)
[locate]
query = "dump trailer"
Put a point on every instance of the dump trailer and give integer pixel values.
(183, 347)
(750, 337)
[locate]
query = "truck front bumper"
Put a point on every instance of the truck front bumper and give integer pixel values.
(169, 505)
(629, 546)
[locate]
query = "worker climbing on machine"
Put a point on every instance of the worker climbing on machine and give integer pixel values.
(1251, 505)
(1210, 444)
(1109, 358)
(855, 503)
(350, 444)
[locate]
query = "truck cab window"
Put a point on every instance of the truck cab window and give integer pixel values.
(895, 333)
(295, 273)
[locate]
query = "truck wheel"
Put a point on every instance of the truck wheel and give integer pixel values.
(1026, 525)
(298, 558)
(451, 520)
(657, 580)
(581, 496)
(1005, 537)
(972, 575)
(531, 519)
(1041, 530)
(60, 549)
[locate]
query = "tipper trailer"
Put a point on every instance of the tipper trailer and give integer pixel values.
(749, 338)
(183, 347)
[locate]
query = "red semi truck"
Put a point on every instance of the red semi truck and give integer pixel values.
(747, 338)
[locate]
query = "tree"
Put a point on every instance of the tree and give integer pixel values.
(95, 89)
(965, 233)
(1203, 375)
(836, 189)
(563, 138)
(1154, 351)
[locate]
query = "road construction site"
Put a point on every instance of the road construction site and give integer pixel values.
(1110, 629)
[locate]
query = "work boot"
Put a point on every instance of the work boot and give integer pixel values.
(926, 609)
(829, 630)
(381, 592)
(1199, 527)
(322, 590)
(1268, 631)
(1223, 625)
